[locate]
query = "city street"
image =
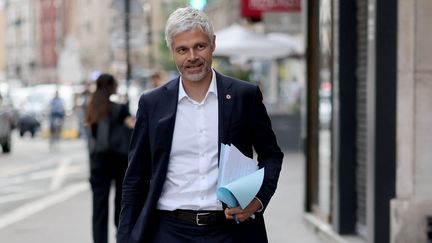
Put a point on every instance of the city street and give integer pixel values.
(33, 171)
(346, 84)
(45, 196)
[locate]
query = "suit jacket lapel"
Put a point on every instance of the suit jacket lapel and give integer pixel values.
(225, 102)
(167, 108)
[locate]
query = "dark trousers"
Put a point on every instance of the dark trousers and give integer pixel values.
(177, 231)
(105, 169)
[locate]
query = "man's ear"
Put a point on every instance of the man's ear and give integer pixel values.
(214, 43)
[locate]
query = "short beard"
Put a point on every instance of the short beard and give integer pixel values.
(196, 76)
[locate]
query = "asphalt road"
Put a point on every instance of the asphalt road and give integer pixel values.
(33, 171)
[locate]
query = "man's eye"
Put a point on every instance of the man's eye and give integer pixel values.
(201, 47)
(181, 51)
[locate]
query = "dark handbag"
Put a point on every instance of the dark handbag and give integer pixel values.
(112, 135)
(119, 134)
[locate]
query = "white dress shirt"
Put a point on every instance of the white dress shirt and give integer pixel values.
(191, 180)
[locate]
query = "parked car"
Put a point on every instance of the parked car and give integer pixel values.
(6, 127)
(30, 112)
(34, 107)
(29, 122)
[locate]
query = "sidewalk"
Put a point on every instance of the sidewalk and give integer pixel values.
(69, 220)
(284, 214)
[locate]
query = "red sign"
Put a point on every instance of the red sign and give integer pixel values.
(254, 8)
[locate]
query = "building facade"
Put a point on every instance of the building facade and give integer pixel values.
(50, 41)
(411, 209)
(367, 174)
(34, 34)
(21, 53)
(90, 34)
(231, 11)
(2, 42)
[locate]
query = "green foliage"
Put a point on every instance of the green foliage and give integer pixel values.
(226, 67)
(238, 73)
(166, 60)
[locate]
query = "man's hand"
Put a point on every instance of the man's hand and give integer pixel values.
(243, 214)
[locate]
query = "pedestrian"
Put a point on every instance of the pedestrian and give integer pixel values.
(156, 79)
(56, 118)
(104, 120)
(169, 190)
(82, 104)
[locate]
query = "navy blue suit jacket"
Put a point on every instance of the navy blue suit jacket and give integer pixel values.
(243, 121)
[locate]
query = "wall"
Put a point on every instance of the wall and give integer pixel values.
(91, 30)
(413, 202)
(223, 13)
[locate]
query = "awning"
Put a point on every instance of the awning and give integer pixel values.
(237, 41)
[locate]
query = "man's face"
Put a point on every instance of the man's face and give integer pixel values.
(192, 52)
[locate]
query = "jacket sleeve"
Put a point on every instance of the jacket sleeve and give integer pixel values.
(137, 177)
(269, 154)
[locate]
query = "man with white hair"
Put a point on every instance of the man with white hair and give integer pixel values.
(169, 191)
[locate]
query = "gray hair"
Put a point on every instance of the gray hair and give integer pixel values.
(184, 19)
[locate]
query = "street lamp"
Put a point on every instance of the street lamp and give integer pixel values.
(127, 37)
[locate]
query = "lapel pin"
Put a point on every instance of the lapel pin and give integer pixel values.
(228, 96)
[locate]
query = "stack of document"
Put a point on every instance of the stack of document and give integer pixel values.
(239, 178)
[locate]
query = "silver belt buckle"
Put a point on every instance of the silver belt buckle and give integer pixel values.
(197, 218)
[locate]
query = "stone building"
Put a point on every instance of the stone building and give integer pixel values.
(368, 175)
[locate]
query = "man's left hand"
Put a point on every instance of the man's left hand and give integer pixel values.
(243, 214)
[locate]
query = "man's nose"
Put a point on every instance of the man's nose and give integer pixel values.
(192, 55)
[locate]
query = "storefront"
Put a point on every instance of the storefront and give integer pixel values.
(351, 110)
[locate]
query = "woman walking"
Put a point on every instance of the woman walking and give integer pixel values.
(105, 119)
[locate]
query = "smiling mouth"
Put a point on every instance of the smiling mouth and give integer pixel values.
(195, 67)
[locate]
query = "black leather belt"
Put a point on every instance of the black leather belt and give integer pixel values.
(200, 218)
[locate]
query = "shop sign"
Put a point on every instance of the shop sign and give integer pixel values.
(254, 8)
